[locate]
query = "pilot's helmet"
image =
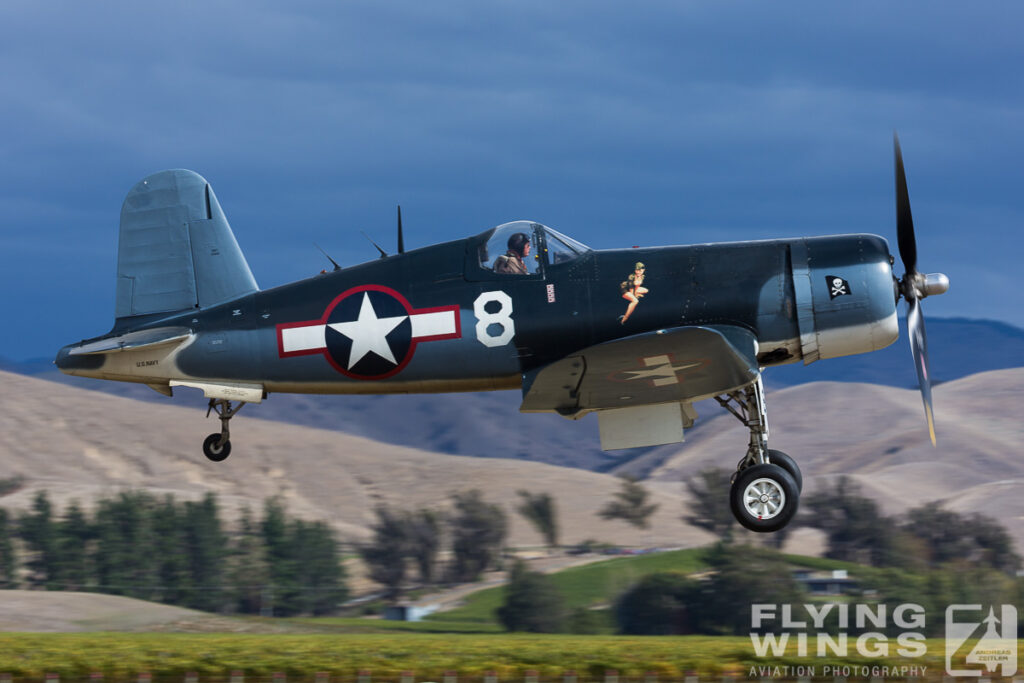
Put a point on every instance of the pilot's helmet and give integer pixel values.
(639, 266)
(517, 242)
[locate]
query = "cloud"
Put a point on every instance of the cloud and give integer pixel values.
(675, 121)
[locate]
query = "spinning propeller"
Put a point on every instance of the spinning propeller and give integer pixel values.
(915, 286)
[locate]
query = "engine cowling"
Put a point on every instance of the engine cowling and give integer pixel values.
(845, 295)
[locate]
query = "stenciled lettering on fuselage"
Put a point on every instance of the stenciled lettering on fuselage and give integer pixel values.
(368, 332)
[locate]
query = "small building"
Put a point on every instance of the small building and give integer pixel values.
(834, 582)
(407, 612)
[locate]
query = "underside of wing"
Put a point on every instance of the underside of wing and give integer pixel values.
(651, 376)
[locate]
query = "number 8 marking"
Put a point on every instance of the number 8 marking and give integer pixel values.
(502, 317)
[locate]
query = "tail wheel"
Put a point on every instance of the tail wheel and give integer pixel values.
(789, 464)
(216, 450)
(764, 498)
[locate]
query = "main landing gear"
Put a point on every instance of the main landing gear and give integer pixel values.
(765, 492)
(217, 447)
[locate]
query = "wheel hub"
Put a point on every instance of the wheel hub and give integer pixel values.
(764, 498)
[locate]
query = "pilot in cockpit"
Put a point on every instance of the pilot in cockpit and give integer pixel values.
(511, 262)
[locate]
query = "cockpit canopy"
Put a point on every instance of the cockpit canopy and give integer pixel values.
(521, 246)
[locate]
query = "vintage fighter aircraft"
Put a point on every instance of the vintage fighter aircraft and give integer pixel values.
(635, 335)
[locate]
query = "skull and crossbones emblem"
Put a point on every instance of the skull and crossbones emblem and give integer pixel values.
(837, 286)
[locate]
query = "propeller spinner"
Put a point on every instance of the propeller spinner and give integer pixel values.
(915, 286)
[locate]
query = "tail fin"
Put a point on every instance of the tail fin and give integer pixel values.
(176, 250)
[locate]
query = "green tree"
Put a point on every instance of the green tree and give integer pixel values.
(951, 537)
(630, 504)
(539, 510)
(303, 564)
(658, 604)
(423, 538)
(170, 549)
(980, 584)
(248, 573)
(995, 547)
(938, 595)
(320, 573)
(13, 484)
(478, 534)
(74, 532)
(941, 530)
(281, 565)
(205, 545)
(39, 531)
(123, 555)
(8, 563)
(709, 504)
(386, 554)
(532, 602)
(856, 529)
(740, 576)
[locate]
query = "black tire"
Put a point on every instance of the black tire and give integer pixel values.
(214, 452)
(789, 464)
(776, 485)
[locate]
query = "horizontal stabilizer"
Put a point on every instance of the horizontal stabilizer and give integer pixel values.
(176, 250)
(158, 336)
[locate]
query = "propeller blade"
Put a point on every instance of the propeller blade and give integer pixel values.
(919, 349)
(904, 221)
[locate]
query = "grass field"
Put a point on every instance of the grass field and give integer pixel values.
(121, 657)
(467, 641)
(586, 586)
(363, 625)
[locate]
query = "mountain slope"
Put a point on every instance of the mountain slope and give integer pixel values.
(878, 436)
(78, 443)
(81, 444)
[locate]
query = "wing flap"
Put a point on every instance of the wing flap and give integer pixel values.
(680, 364)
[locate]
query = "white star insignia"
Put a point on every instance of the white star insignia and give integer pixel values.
(369, 334)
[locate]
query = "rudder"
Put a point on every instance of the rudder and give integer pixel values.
(176, 250)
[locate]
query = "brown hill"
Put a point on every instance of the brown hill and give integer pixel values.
(60, 611)
(877, 434)
(81, 444)
(78, 444)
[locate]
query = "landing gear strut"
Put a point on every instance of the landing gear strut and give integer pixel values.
(765, 492)
(217, 447)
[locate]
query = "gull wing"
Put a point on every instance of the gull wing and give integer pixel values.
(681, 364)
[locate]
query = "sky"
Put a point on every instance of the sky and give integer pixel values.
(653, 123)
